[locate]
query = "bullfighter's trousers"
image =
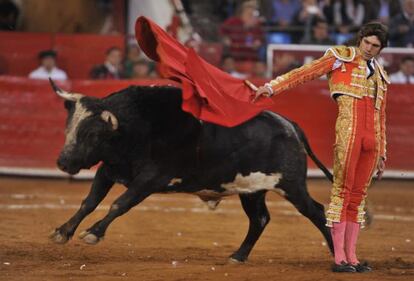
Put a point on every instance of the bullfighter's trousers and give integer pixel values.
(356, 153)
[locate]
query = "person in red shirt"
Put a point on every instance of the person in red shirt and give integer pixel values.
(243, 33)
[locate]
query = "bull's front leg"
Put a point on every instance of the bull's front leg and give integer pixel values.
(140, 188)
(130, 198)
(100, 188)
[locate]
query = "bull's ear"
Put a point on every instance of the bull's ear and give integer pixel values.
(110, 118)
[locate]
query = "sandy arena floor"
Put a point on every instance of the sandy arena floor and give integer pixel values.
(175, 237)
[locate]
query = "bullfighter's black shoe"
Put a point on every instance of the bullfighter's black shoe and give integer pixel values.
(343, 267)
(362, 267)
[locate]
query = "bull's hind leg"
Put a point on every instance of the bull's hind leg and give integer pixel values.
(298, 195)
(255, 207)
(100, 188)
(123, 204)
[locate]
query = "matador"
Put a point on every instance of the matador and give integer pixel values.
(358, 83)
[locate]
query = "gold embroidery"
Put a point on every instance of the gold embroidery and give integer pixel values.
(343, 53)
(345, 134)
(360, 86)
(303, 74)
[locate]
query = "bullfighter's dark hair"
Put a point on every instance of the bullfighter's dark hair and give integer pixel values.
(374, 28)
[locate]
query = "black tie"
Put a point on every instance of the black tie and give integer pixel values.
(371, 69)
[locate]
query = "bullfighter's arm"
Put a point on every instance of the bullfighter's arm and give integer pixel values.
(303, 74)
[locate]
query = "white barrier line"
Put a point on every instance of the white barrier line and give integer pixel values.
(189, 199)
(45, 172)
(51, 206)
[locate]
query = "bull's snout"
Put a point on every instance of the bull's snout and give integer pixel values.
(63, 164)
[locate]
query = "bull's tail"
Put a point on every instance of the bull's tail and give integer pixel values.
(308, 149)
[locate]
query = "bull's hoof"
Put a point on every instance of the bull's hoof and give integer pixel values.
(57, 237)
(233, 260)
(212, 204)
(89, 238)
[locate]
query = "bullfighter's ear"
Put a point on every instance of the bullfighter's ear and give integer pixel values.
(110, 118)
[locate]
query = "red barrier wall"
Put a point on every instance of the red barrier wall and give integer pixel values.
(77, 53)
(33, 119)
(18, 51)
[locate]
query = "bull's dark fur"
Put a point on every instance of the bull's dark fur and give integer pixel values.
(156, 141)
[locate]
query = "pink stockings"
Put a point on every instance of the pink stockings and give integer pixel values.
(345, 236)
(351, 237)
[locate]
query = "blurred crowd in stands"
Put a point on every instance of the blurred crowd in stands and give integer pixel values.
(133, 66)
(248, 26)
(243, 29)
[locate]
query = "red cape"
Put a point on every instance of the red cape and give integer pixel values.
(209, 93)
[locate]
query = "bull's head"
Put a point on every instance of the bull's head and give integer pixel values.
(89, 131)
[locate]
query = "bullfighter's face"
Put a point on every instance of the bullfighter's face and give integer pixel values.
(370, 46)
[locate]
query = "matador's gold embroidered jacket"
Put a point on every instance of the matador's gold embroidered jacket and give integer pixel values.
(347, 75)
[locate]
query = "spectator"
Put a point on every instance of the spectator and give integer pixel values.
(284, 11)
(9, 13)
(308, 12)
(142, 69)
(381, 10)
(47, 67)
(402, 26)
(345, 15)
(283, 63)
(133, 55)
(259, 70)
(111, 68)
(228, 64)
(320, 34)
(406, 73)
(223, 9)
(243, 34)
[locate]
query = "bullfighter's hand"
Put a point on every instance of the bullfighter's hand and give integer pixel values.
(380, 168)
(265, 91)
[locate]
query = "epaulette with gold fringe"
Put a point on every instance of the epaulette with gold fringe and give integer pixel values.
(343, 53)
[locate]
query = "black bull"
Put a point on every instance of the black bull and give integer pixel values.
(146, 142)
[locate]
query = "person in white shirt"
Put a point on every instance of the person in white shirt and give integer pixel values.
(406, 73)
(48, 67)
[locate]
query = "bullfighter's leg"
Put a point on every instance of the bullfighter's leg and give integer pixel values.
(310, 208)
(255, 207)
(100, 188)
(129, 199)
(355, 213)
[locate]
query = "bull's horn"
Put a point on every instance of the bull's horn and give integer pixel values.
(63, 94)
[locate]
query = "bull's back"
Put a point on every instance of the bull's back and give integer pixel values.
(265, 142)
